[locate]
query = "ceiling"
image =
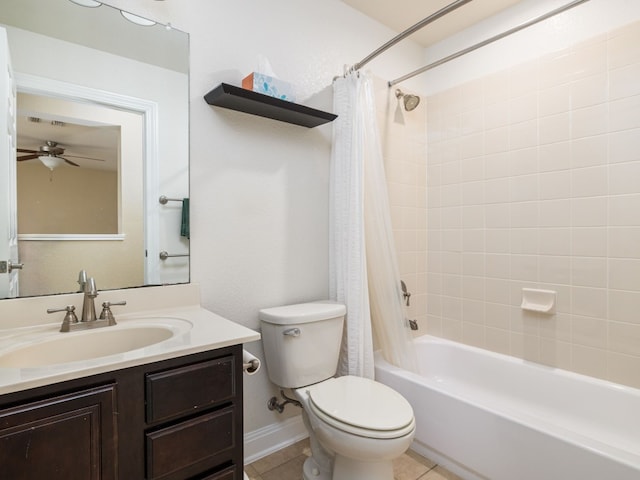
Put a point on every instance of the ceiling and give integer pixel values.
(86, 143)
(402, 14)
(94, 147)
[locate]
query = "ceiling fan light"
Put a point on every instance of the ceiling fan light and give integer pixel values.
(145, 22)
(50, 161)
(86, 3)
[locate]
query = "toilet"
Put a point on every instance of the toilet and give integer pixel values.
(356, 426)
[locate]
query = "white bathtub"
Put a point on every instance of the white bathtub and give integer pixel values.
(485, 415)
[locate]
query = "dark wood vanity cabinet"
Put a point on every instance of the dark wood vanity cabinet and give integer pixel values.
(61, 437)
(178, 419)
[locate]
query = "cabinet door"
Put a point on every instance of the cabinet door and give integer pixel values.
(65, 437)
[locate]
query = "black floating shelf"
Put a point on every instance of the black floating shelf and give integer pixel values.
(248, 101)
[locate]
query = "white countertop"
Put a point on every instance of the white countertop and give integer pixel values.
(200, 330)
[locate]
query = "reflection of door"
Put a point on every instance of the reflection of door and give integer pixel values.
(8, 218)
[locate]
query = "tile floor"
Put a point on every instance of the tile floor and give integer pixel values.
(286, 464)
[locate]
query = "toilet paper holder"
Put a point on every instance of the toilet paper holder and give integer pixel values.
(251, 366)
(250, 363)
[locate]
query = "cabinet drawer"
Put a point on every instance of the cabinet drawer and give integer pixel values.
(183, 390)
(226, 474)
(197, 444)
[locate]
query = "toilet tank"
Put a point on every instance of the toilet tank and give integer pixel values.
(302, 342)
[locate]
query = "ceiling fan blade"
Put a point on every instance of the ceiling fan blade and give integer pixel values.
(86, 158)
(27, 157)
(69, 162)
(25, 150)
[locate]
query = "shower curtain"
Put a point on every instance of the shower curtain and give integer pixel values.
(363, 267)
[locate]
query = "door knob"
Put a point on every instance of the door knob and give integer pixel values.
(14, 266)
(8, 267)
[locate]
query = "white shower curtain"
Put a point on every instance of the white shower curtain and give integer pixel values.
(347, 255)
(363, 266)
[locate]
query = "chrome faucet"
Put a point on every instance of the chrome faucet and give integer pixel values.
(88, 304)
(88, 318)
(405, 293)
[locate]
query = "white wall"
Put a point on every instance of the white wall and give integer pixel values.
(259, 191)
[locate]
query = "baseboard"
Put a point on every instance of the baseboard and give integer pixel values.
(266, 440)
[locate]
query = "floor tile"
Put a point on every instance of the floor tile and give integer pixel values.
(286, 464)
(252, 473)
(291, 470)
(281, 456)
(420, 459)
(439, 473)
(408, 468)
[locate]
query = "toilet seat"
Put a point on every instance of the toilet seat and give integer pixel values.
(362, 407)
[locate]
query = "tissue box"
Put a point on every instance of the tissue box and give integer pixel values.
(274, 87)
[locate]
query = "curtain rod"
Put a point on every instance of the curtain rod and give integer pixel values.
(486, 42)
(409, 31)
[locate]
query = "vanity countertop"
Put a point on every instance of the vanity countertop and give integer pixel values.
(197, 330)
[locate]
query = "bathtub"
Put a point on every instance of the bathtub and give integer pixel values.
(484, 415)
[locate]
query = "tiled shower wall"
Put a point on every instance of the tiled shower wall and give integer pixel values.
(533, 180)
(404, 148)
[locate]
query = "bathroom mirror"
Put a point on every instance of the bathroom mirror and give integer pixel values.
(90, 57)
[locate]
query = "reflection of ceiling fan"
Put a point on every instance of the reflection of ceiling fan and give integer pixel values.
(50, 155)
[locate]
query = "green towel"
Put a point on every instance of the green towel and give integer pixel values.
(184, 225)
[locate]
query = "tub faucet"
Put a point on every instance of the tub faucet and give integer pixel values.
(406, 294)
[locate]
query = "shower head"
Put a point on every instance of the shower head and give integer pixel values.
(410, 101)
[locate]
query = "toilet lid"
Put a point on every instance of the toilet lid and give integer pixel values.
(362, 403)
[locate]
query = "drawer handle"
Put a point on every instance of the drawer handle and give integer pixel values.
(292, 332)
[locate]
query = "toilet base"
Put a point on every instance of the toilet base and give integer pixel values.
(349, 469)
(310, 471)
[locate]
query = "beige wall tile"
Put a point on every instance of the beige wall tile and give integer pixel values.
(589, 361)
(590, 91)
(533, 180)
(624, 306)
(624, 338)
(624, 369)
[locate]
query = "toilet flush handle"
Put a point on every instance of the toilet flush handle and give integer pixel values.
(292, 332)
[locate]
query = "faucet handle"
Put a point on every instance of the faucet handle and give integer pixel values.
(69, 318)
(106, 313)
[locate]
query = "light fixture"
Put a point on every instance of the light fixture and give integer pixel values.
(86, 3)
(145, 22)
(51, 161)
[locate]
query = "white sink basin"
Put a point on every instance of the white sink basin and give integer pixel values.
(53, 349)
